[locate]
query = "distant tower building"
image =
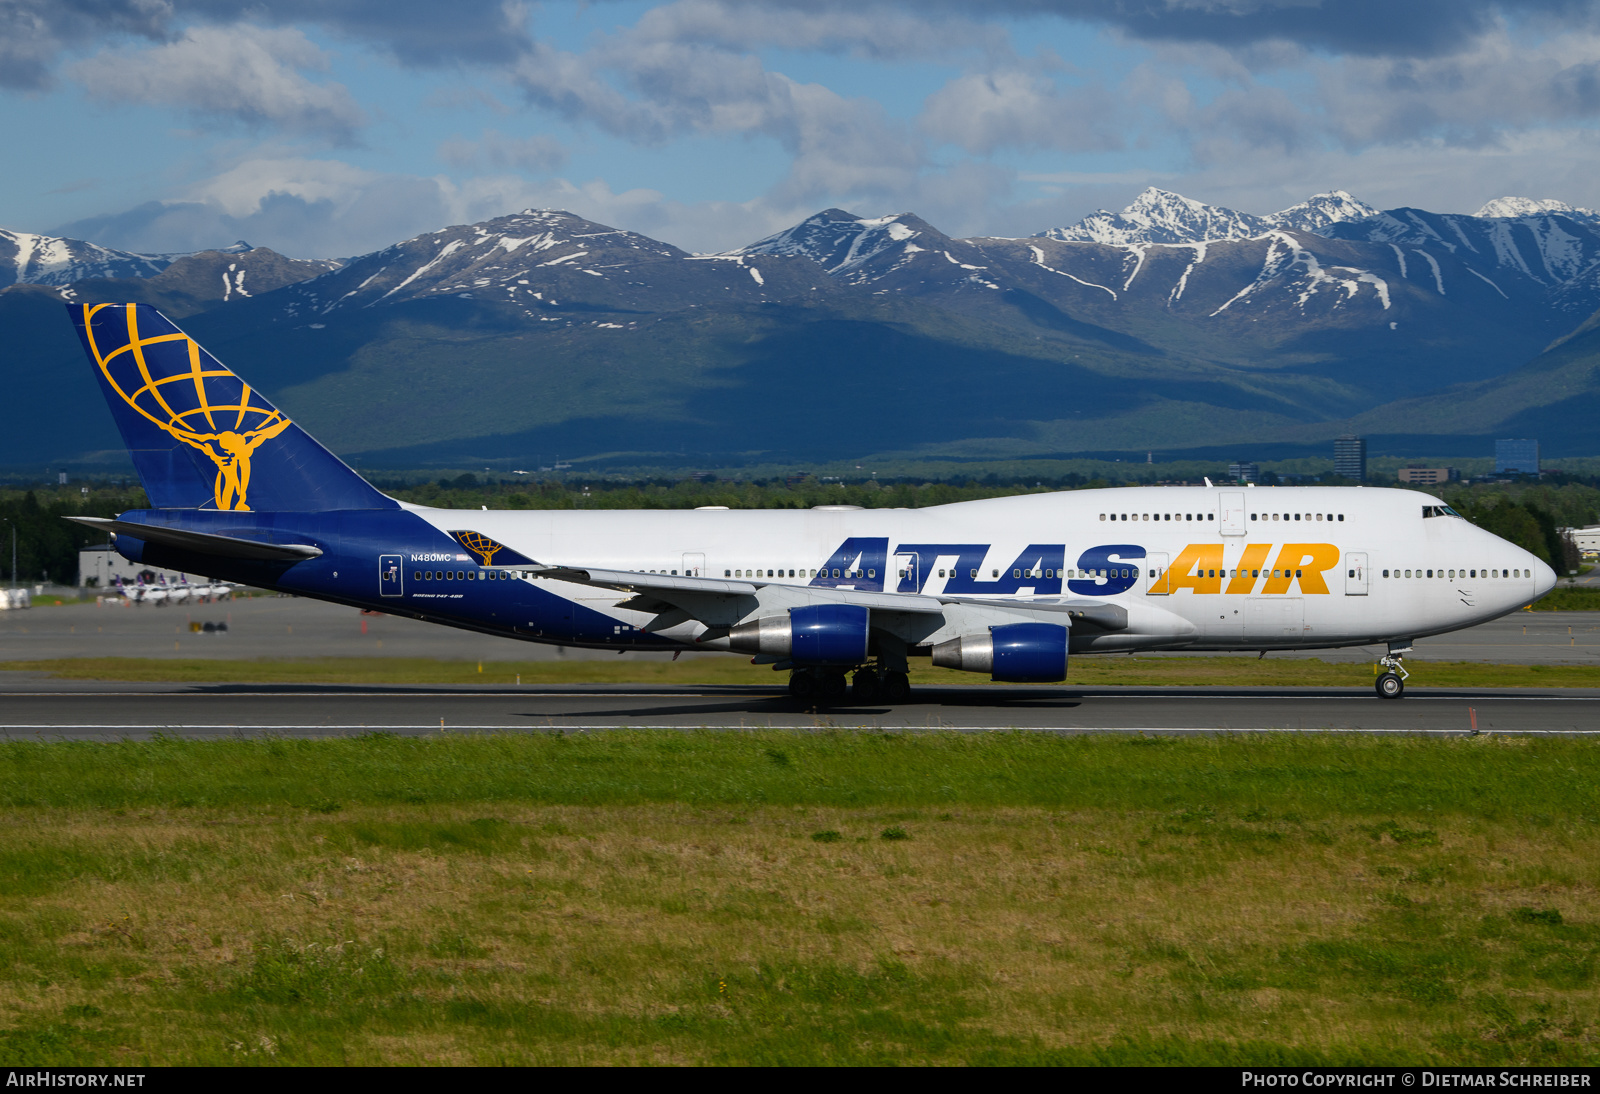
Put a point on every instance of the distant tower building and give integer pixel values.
(1519, 456)
(1244, 472)
(1350, 457)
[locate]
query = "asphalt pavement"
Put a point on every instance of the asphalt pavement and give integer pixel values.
(36, 707)
(275, 627)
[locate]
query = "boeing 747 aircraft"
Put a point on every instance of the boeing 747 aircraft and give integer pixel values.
(1011, 587)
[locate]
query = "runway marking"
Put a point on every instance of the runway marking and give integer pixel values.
(954, 729)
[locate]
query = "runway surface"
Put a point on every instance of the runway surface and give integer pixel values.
(290, 627)
(38, 708)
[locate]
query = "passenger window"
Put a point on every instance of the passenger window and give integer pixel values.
(1015, 574)
(974, 574)
(416, 575)
(1341, 516)
(1102, 516)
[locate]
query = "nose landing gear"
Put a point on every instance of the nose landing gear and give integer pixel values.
(1391, 683)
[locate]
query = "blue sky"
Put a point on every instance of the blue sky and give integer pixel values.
(325, 129)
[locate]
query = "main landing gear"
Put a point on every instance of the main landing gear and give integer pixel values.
(1391, 683)
(828, 686)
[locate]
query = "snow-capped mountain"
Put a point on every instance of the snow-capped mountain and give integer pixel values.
(543, 261)
(1160, 216)
(903, 248)
(28, 258)
(841, 242)
(1549, 249)
(1527, 207)
(1320, 210)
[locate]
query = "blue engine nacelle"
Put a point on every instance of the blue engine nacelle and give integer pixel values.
(818, 634)
(1017, 653)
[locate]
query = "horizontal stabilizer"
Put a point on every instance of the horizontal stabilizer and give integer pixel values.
(204, 543)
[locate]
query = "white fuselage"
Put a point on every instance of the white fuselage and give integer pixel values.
(1196, 567)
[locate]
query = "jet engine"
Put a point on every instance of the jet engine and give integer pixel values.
(818, 634)
(1017, 653)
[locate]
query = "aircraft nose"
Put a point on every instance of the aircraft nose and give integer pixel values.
(1544, 578)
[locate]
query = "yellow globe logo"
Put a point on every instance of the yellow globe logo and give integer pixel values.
(479, 544)
(169, 380)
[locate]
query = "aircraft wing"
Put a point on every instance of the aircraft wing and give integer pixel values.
(678, 591)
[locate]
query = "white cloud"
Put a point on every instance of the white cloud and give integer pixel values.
(986, 111)
(244, 73)
(873, 31)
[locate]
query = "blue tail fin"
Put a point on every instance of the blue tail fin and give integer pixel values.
(200, 437)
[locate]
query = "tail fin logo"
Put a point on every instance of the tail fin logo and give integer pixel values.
(486, 549)
(171, 381)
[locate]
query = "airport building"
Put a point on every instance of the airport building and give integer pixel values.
(1350, 457)
(1244, 472)
(1518, 456)
(104, 565)
(1587, 539)
(1429, 476)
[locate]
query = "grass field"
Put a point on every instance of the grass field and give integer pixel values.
(1083, 672)
(1569, 600)
(638, 897)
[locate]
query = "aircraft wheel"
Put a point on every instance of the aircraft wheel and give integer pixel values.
(864, 688)
(896, 687)
(1390, 686)
(833, 687)
(803, 685)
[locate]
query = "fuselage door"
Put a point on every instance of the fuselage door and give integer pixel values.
(1230, 520)
(391, 575)
(1355, 573)
(694, 564)
(905, 568)
(1155, 566)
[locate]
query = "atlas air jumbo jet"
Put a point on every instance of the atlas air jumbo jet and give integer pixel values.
(1011, 587)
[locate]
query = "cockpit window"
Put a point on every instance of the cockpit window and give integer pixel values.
(1439, 511)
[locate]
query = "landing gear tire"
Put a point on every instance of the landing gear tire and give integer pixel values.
(803, 686)
(864, 688)
(832, 687)
(1390, 686)
(896, 687)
